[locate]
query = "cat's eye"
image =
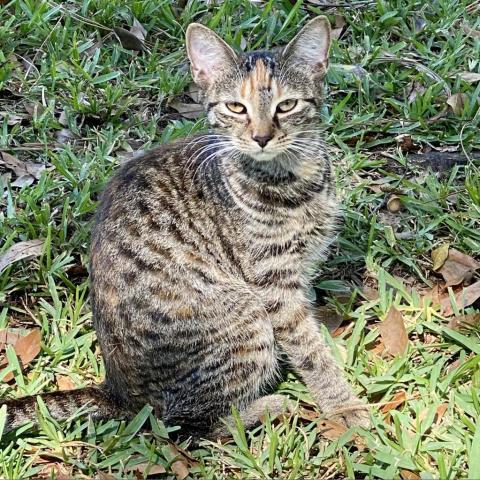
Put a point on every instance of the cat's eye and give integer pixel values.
(286, 106)
(236, 107)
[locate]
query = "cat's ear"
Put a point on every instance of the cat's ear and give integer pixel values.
(209, 55)
(311, 45)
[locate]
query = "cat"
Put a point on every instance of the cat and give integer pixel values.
(203, 249)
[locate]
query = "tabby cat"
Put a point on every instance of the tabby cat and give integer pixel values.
(203, 249)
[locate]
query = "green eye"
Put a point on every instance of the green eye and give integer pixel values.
(286, 106)
(236, 107)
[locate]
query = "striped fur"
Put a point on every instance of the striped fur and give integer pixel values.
(203, 249)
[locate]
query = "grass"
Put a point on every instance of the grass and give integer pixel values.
(73, 98)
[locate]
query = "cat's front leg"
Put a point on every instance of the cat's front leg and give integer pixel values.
(299, 337)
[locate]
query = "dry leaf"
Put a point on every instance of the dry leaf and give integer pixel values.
(408, 475)
(457, 102)
(456, 323)
(470, 77)
(138, 30)
(464, 298)
(458, 268)
(64, 382)
(129, 40)
(441, 409)
(187, 110)
(439, 255)
(105, 476)
(180, 469)
(21, 168)
(393, 333)
(330, 429)
(21, 251)
(26, 348)
(8, 338)
(147, 469)
(370, 293)
(328, 316)
(398, 399)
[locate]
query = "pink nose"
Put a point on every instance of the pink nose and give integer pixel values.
(262, 140)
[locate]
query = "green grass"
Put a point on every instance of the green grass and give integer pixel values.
(392, 72)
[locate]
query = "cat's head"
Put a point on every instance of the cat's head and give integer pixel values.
(265, 103)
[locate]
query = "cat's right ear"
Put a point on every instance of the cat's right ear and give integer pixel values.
(209, 55)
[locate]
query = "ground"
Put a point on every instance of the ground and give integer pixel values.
(79, 98)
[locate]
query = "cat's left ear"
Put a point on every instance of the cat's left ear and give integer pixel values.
(311, 46)
(209, 55)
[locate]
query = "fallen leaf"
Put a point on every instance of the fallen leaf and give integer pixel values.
(330, 429)
(398, 399)
(64, 382)
(470, 77)
(370, 293)
(133, 39)
(26, 348)
(21, 251)
(8, 337)
(180, 469)
(328, 316)
(147, 469)
(456, 323)
(64, 136)
(458, 268)
(393, 332)
(105, 476)
(464, 298)
(24, 171)
(408, 475)
(187, 110)
(441, 409)
(457, 102)
(138, 30)
(439, 255)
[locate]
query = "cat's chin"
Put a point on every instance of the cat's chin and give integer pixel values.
(263, 156)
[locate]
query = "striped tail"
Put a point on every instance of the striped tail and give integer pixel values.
(61, 405)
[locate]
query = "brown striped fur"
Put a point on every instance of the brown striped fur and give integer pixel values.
(203, 250)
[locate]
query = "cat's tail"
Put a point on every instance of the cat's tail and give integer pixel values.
(62, 405)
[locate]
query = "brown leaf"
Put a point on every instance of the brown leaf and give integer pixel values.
(456, 323)
(64, 382)
(457, 102)
(408, 475)
(369, 293)
(21, 251)
(26, 348)
(8, 337)
(439, 255)
(463, 298)
(105, 476)
(441, 409)
(328, 316)
(393, 333)
(147, 468)
(398, 399)
(330, 429)
(129, 40)
(458, 268)
(188, 110)
(21, 168)
(180, 469)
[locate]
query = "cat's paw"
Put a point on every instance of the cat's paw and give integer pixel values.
(353, 413)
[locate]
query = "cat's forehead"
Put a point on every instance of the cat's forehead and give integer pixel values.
(259, 75)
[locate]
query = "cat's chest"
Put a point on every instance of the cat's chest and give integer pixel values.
(289, 243)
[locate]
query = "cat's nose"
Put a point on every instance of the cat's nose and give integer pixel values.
(262, 140)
